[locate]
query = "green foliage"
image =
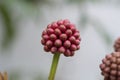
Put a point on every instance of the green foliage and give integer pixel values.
(8, 25)
(15, 75)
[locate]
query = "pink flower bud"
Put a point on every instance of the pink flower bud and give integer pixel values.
(102, 66)
(68, 26)
(66, 21)
(60, 22)
(67, 53)
(53, 49)
(58, 43)
(67, 44)
(104, 60)
(43, 42)
(72, 39)
(53, 37)
(61, 49)
(45, 37)
(79, 38)
(44, 33)
(76, 35)
(73, 29)
(63, 37)
(73, 47)
(49, 43)
(119, 74)
(57, 31)
(50, 31)
(46, 49)
(77, 42)
(113, 72)
(68, 32)
(108, 56)
(78, 47)
(49, 26)
(62, 28)
(72, 53)
(54, 25)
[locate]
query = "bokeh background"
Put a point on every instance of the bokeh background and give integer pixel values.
(21, 25)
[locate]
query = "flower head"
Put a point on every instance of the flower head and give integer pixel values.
(61, 36)
(110, 66)
(117, 45)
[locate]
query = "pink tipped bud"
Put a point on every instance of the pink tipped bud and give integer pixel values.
(49, 26)
(63, 37)
(67, 25)
(46, 49)
(45, 37)
(102, 66)
(77, 42)
(113, 72)
(54, 25)
(57, 31)
(67, 44)
(62, 28)
(72, 53)
(72, 27)
(109, 56)
(53, 37)
(50, 31)
(44, 33)
(68, 32)
(72, 39)
(67, 53)
(60, 22)
(79, 38)
(58, 43)
(53, 49)
(104, 60)
(73, 47)
(49, 43)
(78, 47)
(66, 21)
(77, 35)
(61, 49)
(43, 42)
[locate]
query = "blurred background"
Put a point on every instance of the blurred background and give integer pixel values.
(21, 25)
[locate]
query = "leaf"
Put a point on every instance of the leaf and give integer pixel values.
(8, 26)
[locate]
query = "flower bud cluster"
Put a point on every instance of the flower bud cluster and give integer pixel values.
(111, 66)
(62, 37)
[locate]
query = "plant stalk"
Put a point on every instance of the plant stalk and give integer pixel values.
(54, 66)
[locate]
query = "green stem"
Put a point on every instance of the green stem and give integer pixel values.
(54, 66)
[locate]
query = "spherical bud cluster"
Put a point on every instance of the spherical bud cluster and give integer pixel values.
(117, 45)
(110, 66)
(61, 37)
